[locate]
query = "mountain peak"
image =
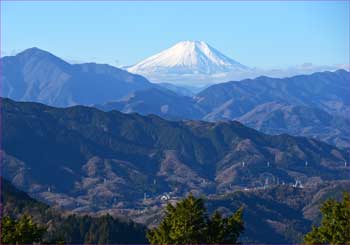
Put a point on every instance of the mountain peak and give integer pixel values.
(188, 57)
(34, 51)
(35, 55)
(192, 43)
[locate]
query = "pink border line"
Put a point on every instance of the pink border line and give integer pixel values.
(1, 154)
(218, 1)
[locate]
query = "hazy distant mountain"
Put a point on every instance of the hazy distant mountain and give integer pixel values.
(158, 101)
(324, 90)
(277, 118)
(36, 75)
(314, 105)
(82, 159)
(181, 90)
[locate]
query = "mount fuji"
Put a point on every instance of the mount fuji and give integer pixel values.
(187, 58)
(196, 64)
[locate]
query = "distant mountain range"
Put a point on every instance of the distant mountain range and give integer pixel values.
(314, 105)
(84, 159)
(164, 103)
(324, 90)
(318, 104)
(278, 118)
(36, 75)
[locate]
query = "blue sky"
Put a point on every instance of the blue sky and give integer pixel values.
(255, 33)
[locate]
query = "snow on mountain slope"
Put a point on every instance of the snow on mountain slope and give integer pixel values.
(196, 64)
(188, 57)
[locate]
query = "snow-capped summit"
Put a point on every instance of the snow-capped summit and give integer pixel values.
(188, 57)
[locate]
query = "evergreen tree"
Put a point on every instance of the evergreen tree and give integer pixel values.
(225, 230)
(188, 223)
(22, 231)
(335, 224)
(8, 230)
(104, 229)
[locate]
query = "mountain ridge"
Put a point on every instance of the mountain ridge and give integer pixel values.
(109, 159)
(37, 75)
(323, 94)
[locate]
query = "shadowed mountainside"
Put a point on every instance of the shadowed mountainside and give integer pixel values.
(112, 160)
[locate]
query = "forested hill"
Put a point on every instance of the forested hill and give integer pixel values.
(70, 228)
(110, 159)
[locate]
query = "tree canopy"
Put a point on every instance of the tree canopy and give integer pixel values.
(21, 231)
(188, 223)
(104, 229)
(335, 224)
